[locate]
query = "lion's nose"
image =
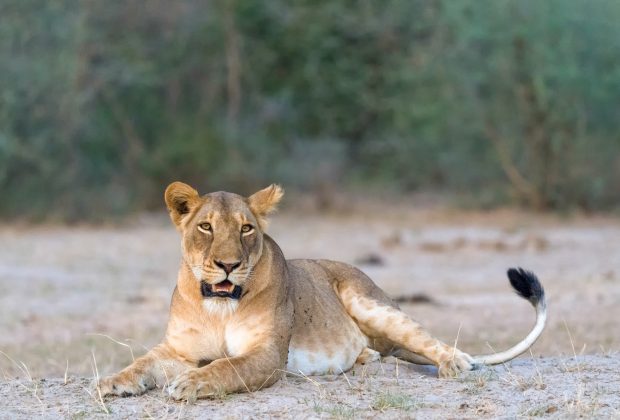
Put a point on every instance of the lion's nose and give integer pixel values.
(228, 267)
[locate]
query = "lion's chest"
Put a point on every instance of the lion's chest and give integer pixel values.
(213, 338)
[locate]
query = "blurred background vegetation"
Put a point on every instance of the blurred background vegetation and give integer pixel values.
(510, 102)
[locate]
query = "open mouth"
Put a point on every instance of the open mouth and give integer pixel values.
(223, 289)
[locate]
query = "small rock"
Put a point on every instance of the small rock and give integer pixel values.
(370, 259)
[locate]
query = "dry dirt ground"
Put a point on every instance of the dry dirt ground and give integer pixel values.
(73, 300)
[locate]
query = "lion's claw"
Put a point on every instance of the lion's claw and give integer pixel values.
(120, 386)
(184, 387)
(452, 366)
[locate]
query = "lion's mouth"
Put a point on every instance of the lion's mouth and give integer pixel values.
(223, 289)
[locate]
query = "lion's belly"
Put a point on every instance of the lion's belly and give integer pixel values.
(324, 351)
(313, 362)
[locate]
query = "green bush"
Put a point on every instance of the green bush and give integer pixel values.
(103, 103)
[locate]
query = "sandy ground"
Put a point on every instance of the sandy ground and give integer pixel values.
(586, 386)
(75, 298)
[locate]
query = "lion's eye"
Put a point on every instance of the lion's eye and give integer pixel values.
(204, 227)
(247, 228)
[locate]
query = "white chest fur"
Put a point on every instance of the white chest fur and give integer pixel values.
(237, 338)
(220, 308)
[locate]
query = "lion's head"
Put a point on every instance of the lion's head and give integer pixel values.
(222, 234)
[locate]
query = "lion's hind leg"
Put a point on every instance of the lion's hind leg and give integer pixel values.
(380, 319)
(387, 327)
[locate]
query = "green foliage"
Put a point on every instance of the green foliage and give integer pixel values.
(103, 103)
(387, 400)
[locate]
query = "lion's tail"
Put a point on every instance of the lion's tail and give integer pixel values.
(527, 285)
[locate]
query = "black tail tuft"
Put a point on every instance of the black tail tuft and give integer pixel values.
(526, 285)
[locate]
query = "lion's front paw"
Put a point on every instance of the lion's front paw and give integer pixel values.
(122, 386)
(185, 387)
(455, 364)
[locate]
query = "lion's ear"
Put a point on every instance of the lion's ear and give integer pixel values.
(180, 199)
(264, 202)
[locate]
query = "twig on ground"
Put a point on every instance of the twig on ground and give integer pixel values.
(66, 371)
(346, 378)
(97, 388)
(238, 375)
(133, 359)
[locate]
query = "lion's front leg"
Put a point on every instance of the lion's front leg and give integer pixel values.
(252, 371)
(156, 368)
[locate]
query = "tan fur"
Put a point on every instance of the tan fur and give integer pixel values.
(315, 316)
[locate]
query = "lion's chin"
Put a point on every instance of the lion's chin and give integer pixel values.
(223, 289)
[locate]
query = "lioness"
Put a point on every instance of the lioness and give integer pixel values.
(242, 315)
